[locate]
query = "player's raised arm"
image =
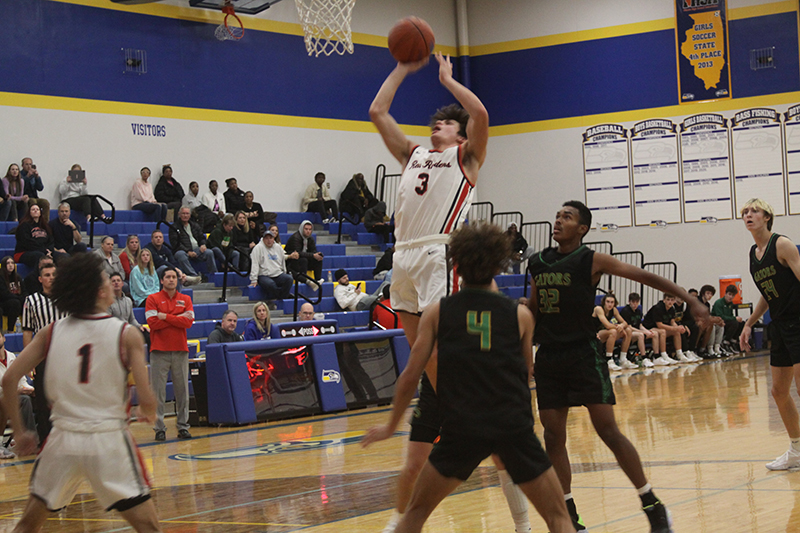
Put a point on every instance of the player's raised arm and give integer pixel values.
(478, 125)
(408, 380)
(394, 138)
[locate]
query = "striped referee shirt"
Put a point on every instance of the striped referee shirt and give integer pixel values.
(39, 311)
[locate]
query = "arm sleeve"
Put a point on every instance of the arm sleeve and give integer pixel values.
(255, 263)
(344, 297)
(151, 314)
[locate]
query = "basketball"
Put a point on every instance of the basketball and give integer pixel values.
(411, 40)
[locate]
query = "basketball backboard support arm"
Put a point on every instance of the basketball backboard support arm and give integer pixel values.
(247, 7)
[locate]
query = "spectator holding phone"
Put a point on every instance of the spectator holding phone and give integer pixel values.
(74, 191)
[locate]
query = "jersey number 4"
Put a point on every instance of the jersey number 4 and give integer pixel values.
(85, 353)
(482, 327)
(422, 188)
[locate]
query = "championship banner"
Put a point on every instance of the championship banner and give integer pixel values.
(656, 176)
(706, 168)
(702, 49)
(606, 172)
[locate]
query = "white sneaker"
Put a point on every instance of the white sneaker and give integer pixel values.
(647, 363)
(788, 461)
(5, 453)
(624, 363)
(613, 366)
(325, 220)
(682, 358)
(693, 356)
(670, 360)
(661, 361)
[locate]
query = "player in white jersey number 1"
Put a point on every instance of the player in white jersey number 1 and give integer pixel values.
(433, 198)
(88, 355)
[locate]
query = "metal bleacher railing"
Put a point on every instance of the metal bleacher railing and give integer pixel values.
(342, 218)
(93, 219)
(388, 187)
(299, 278)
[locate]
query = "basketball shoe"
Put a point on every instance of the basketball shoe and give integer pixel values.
(788, 461)
(660, 520)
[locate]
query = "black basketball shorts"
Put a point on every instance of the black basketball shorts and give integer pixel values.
(785, 336)
(426, 421)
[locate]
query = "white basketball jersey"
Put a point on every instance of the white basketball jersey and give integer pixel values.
(434, 194)
(86, 373)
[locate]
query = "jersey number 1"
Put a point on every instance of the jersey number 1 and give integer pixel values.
(482, 327)
(85, 353)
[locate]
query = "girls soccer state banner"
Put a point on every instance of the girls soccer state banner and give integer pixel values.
(606, 173)
(706, 168)
(702, 49)
(656, 176)
(791, 121)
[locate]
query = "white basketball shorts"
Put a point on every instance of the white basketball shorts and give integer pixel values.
(420, 277)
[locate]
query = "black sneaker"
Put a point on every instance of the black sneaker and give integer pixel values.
(660, 520)
(184, 434)
(577, 522)
(161, 435)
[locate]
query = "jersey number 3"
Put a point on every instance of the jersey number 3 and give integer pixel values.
(482, 327)
(422, 188)
(85, 353)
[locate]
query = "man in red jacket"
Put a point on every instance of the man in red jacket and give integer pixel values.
(169, 314)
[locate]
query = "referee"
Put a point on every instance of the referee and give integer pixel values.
(39, 311)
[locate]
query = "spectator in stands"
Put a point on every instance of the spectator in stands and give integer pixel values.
(122, 307)
(317, 199)
(14, 201)
(25, 403)
(111, 262)
(683, 317)
(200, 213)
(31, 178)
(268, 268)
(610, 327)
(226, 329)
(66, 235)
(169, 314)
(143, 199)
(273, 228)
(258, 328)
(349, 297)
(189, 243)
(163, 259)
(214, 200)
(169, 191)
(234, 196)
(76, 194)
(302, 243)
(34, 239)
(662, 317)
(12, 295)
(356, 198)
(245, 238)
(255, 214)
(306, 312)
(632, 314)
(723, 308)
(191, 199)
(31, 284)
(520, 251)
(714, 329)
(221, 244)
(377, 221)
(127, 257)
(383, 268)
(144, 280)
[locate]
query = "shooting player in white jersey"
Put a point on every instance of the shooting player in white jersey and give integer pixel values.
(433, 198)
(88, 356)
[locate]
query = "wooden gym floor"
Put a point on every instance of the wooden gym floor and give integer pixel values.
(704, 433)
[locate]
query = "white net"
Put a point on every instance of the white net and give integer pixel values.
(231, 32)
(326, 25)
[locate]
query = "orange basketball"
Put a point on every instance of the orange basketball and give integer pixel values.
(411, 40)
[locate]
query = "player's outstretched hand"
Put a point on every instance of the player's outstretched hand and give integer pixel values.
(744, 339)
(26, 443)
(410, 68)
(699, 312)
(141, 414)
(445, 67)
(375, 434)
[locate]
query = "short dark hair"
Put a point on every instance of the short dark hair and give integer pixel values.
(452, 112)
(634, 297)
(479, 251)
(156, 231)
(228, 312)
(165, 167)
(584, 213)
(168, 269)
(706, 288)
(115, 275)
(78, 283)
(731, 289)
(46, 264)
(668, 295)
(210, 182)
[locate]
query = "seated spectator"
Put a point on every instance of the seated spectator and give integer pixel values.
(520, 251)
(349, 297)
(127, 257)
(610, 327)
(715, 329)
(268, 268)
(356, 198)
(12, 293)
(76, 194)
(191, 199)
(143, 199)
(317, 199)
(34, 239)
(163, 259)
(309, 258)
(258, 328)
(122, 307)
(111, 262)
(376, 221)
(683, 317)
(245, 238)
(273, 228)
(144, 280)
(32, 284)
(632, 314)
(31, 179)
(662, 317)
(12, 200)
(723, 308)
(255, 214)
(200, 213)
(169, 191)
(384, 264)
(306, 312)
(214, 200)
(189, 243)
(221, 244)
(226, 329)
(66, 235)
(234, 196)
(25, 403)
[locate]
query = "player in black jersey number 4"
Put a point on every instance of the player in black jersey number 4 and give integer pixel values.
(570, 369)
(775, 267)
(484, 363)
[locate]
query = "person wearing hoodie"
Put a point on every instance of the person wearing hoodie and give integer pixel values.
(226, 329)
(309, 258)
(376, 221)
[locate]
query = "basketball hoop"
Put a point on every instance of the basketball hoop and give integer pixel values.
(231, 28)
(326, 25)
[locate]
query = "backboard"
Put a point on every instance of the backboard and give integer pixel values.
(247, 7)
